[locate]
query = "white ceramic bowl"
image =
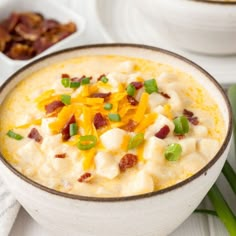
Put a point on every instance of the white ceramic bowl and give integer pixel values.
(49, 9)
(156, 213)
(203, 26)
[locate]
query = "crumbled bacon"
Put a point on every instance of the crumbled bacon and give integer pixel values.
(130, 126)
(137, 84)
(85, 177)
(60, 155)
(163, 132)
(190, 116)
(66, 129)
(34, 134)
(180, 137)
(101, 95)
(53, 106)
(76, 79)
(165, 95)
(132, 100)
(128, 161)
(100, 77)
(20, 51)
(65, 76)
(99, 120)
(188, 113)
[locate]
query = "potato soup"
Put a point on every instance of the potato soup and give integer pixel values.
(109, 126)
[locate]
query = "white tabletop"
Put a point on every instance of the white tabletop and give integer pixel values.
(196, 224)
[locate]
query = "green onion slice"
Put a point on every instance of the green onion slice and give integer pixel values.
(73, 129)
(104, 79)
(173, 152)
(114, 117)
(108, 106)
(66, 99)
(65, 82)
(136, 141)
(14, 135)
(181, 125)
(151, 86)
(87, 142)
(131, 90)
(74, 84)
(85, 81)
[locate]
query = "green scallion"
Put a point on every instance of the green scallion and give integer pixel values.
(14, 135)
(74, 84)
(136, 141)
(85, 81)
(181, 125)
(108, 106)
(65, 82)
(104, 79)
(173, 152)
(73, 129)
(114, 117)
(87, 142)
(131, 90)
(151, 86)
(66, 99)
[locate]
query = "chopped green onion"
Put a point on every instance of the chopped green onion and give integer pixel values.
(173, 152)
(114, 117)
(85, 81)
(65, 82)
(74, 84)
(87, 142)
(150, 86)
(104, 79)
(181, 125)
(108, 106)
(131, 90)
(136, 141)
(73, 129)
(66, 99)
(14, 135)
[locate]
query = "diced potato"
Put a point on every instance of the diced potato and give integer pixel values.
(115, 78)
(159, 123)
(175, 101)
(156, 99)
(200, 131)
(166, 78)
(45, 125)
(126, 67)
(188, 145)
(61, 164)
(133, 77)
(106, 165)
(208, 147)
(153, 149)
(113, 139)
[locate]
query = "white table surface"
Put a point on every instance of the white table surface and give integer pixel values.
(196, 224)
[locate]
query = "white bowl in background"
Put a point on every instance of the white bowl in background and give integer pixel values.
(207, 27)
(155, 213)
(49, 9)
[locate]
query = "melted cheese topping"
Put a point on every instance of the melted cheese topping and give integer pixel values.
(24, 109)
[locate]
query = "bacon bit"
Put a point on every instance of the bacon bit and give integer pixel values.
(100, 77)
(101, 95)
(132, 100)
(193, 120)
(163, 132)
(180, 137)
(53, 106)
(66, 130)
(130, 126)
(34, 134)
(60, 155)
(76, 79)
(128, 161)
(165, 95)
(188, 113)
(65, 76)
(85, 177)
(137, 85)
(99, 121)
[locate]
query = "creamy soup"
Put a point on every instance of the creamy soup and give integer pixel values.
(109, 126)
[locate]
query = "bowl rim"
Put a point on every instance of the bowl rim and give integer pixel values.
(201, 172)
(215, 2)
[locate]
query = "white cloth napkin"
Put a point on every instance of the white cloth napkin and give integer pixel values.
(9, 209)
